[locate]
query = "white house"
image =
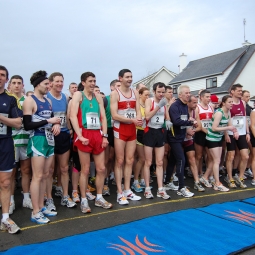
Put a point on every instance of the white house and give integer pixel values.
(219, 72)
(162, 75)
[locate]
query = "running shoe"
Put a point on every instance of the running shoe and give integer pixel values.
(171, 186)
(48, 213)
(106, 191)
(89, 195)
(68, 202)
(12, 207)
(220, 188)
(59, 192)
(136, 187)
(91, 189)
(75, 197)
(205, 182)
(198, 186)
(132, 196)
(253, 182)
(142, 185)
(111, 176)
(148, 194)
(85, 206)
(240, 182)
(10, 226)
(231, 183)
(162, 193)
(212, 180)
(50, 205)
(175, 178)
(185, 192)
(39, 218)
(121, 199)
(101, 202)
(248, 173)
(27, 203)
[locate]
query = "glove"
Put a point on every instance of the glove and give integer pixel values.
(162, 102)
(169, 124)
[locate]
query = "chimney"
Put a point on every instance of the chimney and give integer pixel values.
(183, 62)
(246, 43)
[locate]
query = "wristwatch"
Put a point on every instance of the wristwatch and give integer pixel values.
(105, 135)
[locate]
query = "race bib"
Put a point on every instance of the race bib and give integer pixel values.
(248, 120)
(158, 119)
(130, 114)
(62, 116)
(49, 137)
(3, 127)
(184, 117)
(206, 123)
(238, 121)
(92, 120)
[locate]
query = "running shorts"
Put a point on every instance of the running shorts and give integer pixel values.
(62, 143)
(7, 159)
(241, 143)
(21, 153)
(200, 138)
(154, 138)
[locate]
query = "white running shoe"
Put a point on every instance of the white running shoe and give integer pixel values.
(171, 186)
(12, 207)
(27, 203)
(248, 173)
(162, 193)
(220, 188)
(205, 182)
(175, 178)
(148, 194)
(132, 196)
(121, 199)
(185, 192)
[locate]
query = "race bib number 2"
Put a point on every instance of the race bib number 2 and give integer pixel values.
(158, 119)
(3, 127)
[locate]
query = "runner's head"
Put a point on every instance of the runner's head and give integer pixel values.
(16, 85)
(205, 96)
(88, 81)
(226, 102)
(144, 93)
(56, 81)
(246, 96)
(96, 90)
(236, 91)
(102, 94)
(192, 102)
(29, 93)
(214, 101)
(4, 74)
(139, 86)
(40, 82)
(159, 89)
(114, 84)
(183, 93)
(169, 93)
(72, 88)
(125, 77)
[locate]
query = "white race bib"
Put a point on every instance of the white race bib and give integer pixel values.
(158, 119)
(248, 120)
(62, 116)
(50, 137)
(130, 114)
(3, 127)
(206, 123)
(238, 121)
(93, 120)
(184, 117)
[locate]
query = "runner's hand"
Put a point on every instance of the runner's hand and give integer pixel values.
(105, 142)
(248, 138)
(54, 120)
(169, 124)
(227, 138)
(83, 140)
(56, 129)
(162, 102)
(232, 128)
(138, 122)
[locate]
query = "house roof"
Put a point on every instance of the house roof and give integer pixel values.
(208, 66)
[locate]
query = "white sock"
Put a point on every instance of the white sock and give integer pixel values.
(99, 196)
(127, 191)
(5, 216)
(12, 198)
(160, 189)
(147, 189)
(26, 195)
(83, 199)
(142, 181)
(135, 181)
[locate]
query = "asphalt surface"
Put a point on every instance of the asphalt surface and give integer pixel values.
(71, 221)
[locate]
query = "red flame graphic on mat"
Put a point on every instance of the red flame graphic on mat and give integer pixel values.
(138, 247)
(243, 216)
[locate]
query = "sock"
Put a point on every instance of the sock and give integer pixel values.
(12, 198)
(99, 196)
(135, 181)
(26, 195)
(75, 170)
(147, 189)
(83, 199)
(142, 181)
(127, 191)
(5, 216)
(160, 189)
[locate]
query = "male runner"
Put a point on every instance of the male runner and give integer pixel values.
(125, 110)
(72, 89)
(89, 123)
(10, 116)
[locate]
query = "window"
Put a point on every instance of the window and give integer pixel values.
(175, 89)
(211, 83)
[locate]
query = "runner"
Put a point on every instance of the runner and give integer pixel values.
(72, 89)
(10, 116)
(180, 118)
(155, 114)
(38, 116)
(88, 118)
(20, 137)
(238, 117)
(221, 122)
(125, 110)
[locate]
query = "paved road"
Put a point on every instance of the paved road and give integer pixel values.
(71, 221)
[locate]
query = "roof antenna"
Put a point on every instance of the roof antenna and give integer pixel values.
(244, 23)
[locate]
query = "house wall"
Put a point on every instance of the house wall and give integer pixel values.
(247, 76)
(163, 76)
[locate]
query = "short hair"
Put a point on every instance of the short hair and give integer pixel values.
(102, 93)
(113, 82)
(16, 77)
(3, 68)
(96, 87)
(29, 92)
(37, 77)
(190, 98)
(235, 86)
(158, 85)
(72, 83)
(245, 91)
(123, 71)
(179, 89)
(86, 75)
(142, 90)
(80, 87)
(169, 87)
(203, 92)
(53, 75)
(138, 86)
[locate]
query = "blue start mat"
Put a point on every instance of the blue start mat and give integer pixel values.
(250, 200)
(209, 230)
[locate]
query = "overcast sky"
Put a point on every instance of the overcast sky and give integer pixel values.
(105, 36)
